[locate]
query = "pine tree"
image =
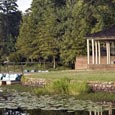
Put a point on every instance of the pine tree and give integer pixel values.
(54, 30)
(10, 25)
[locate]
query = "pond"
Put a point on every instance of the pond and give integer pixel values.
(50, 112)
(23, 103)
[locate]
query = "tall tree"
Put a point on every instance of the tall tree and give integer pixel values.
(56, 28)
(47, 35)
(10, 25)
(26, 37)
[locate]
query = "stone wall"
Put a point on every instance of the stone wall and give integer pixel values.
(96, 86)
(39, 82)
(102, 86)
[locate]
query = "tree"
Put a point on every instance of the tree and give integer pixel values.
(10, 25)
(54, 30)
(24, 42)
(72, 42)
(47, 36)
(2, 34)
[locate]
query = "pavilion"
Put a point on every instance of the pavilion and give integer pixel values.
(101, 49)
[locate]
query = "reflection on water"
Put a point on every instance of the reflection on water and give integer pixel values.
(52, 112)
(18, 111)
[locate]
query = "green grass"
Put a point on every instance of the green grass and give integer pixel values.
(78, 75)
(18, 87)
(71, 83)
(77, 88)
(98, 96)
(83, 95)
(58, 86)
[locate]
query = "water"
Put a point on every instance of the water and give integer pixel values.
(50, 112)
(15, 103)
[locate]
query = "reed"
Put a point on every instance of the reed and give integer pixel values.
(76, 88)
(60, 86)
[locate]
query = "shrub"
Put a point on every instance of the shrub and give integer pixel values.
(78, 88)
(61, 86)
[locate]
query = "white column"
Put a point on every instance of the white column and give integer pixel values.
(113, 51)
(101, 111)
(95, 113)
(93, 61)
(88, 51)
(110, 110)
(90, 113)
(108, 52)
(99, 52)
(98, 113)
(96, 52)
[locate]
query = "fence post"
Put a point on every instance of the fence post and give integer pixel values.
(14, 66)
(22, 68)
(7, 67)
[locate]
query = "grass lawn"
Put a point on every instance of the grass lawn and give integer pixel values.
(60, 85)
(77, 75)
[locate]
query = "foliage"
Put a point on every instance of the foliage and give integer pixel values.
(61, 86)
(98, 96)
(15, 57)
(71, 86)
(51, 30)
(58, 28)
(76, 88)
(23, 45)
(9, 26)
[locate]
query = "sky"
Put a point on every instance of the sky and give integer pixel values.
(24, 4)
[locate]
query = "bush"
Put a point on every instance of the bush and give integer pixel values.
(76, 88)
(61, 86)
(64, 86)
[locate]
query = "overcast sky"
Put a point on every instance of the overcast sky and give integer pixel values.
(24, 4)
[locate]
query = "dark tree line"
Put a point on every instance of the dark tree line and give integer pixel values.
(10, 19)
(54, 30)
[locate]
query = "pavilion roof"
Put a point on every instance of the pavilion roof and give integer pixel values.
(106, 33)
